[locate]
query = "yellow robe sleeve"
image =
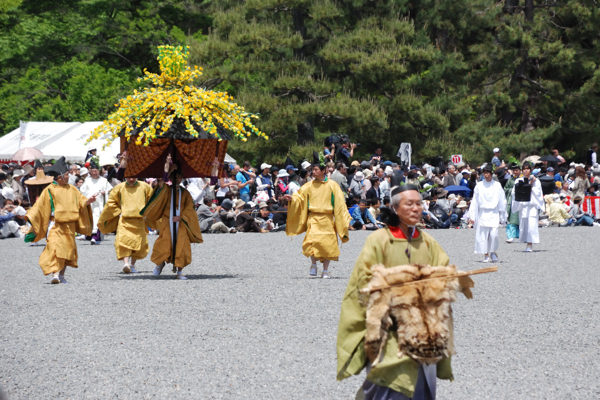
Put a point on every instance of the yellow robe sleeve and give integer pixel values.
(340, 212)
(148, 193)
(297, 216)
(109, 219)
(39, 217)
(190, 218)
(399, 374)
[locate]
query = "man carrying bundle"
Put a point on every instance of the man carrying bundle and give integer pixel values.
(122, 213)
(319, 209)
(399, 244)
(59, 213)
(179, 227)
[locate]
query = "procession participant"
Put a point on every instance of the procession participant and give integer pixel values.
(529, 210)
(488, 210)
(319, 209)
(159, 208)
(59, 213)
(35, 186)
(400, 243)
(122, 213)
(512, 220)
(98, 186)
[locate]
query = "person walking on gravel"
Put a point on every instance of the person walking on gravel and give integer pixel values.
(400, 243)
(58, 214)
(529, 210)
(512, 216)
(488, 210)
(319, 209)
(122, 213)
(183, 216)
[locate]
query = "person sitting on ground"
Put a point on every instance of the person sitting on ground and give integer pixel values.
(227, 214)
(374, 205)
(362, 218)
(579, 216)
(280, 217)
(557, 213)
(11, 220)
(246, 222)
(264, 220)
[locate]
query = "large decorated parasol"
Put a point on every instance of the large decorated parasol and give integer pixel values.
(173, 119)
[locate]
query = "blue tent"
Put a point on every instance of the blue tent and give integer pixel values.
(461, 190)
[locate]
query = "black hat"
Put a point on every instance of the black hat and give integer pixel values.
(2, 176)
(274, 169)
(526, 164)
(59, 168)
(38, 164)
(93, 165)
(487, 168)
(513, 165)
(316, 159)
(288, 161)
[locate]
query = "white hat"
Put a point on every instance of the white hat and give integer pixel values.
(83, 171)
(20, 211)
(359, 176)
(264, 166)
(282, 173)
(368, 173)
(389, 171)
(8, 193)
(462, 204)
(466, 171)
(496, 150)
(251, 204)
(305, 165)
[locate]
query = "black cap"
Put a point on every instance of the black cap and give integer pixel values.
(487, 168)
(59, 168)
(316, 159)
(93, 165)
(288, 161)
(227, 204)
(38, 164)
(2, 176)
(526, 164)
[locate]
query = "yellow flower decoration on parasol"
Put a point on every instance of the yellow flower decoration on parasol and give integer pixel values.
(172, 95)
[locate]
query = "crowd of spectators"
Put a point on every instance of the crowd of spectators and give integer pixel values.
(249, 199)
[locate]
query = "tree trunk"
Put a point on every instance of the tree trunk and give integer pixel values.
(306, 131)
(300, 27)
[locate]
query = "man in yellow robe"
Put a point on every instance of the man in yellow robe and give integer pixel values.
(187, 231)
(400, 243)
(122, 213)
(58, 215)
(319, 209)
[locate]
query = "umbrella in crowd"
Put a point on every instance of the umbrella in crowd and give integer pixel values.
(461, 190)
(532, 159)
(27, 154)
(549, 158)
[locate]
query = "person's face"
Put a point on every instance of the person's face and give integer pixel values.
(8, 202)
(452, 170)
(94, 173)
(79, 182)
(378, 151)
(362, 206)
(410, 208)
(317, 173)
(487, 175)
(526, 172)
(380, 173)
(62, 179)
(178, 179)
(377, 184)
(266, 171)
(131, 181)
(516, 172)
(73, 170)
(264, 212)
(376, 205)
(550, 173)
(343, 170)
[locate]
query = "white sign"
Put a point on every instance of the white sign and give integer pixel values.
(23, 135)
(456, 158)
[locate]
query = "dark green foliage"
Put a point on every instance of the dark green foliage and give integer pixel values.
(449, 76)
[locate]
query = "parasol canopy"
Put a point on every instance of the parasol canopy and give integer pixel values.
(532, 159)
(461, 190)
(549, 158)
(27, 154)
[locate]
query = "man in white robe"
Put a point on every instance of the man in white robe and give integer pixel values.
(529, 210)
(96, 185)
(488, 210)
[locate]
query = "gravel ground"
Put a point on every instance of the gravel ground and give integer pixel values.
(250, 323)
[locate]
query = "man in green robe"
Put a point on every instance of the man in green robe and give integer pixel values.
(400, 243)
(512, 224)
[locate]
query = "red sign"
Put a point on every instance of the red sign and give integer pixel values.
(457, 158)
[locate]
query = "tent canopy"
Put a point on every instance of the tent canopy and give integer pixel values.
(57, 139)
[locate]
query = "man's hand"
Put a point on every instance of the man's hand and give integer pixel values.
(287, 197)
(353, 146)
(364, 228)
(91, 199)
(176, 219)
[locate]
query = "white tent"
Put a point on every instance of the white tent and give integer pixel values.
(40, 135)
(57, 139)
(72, 145)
